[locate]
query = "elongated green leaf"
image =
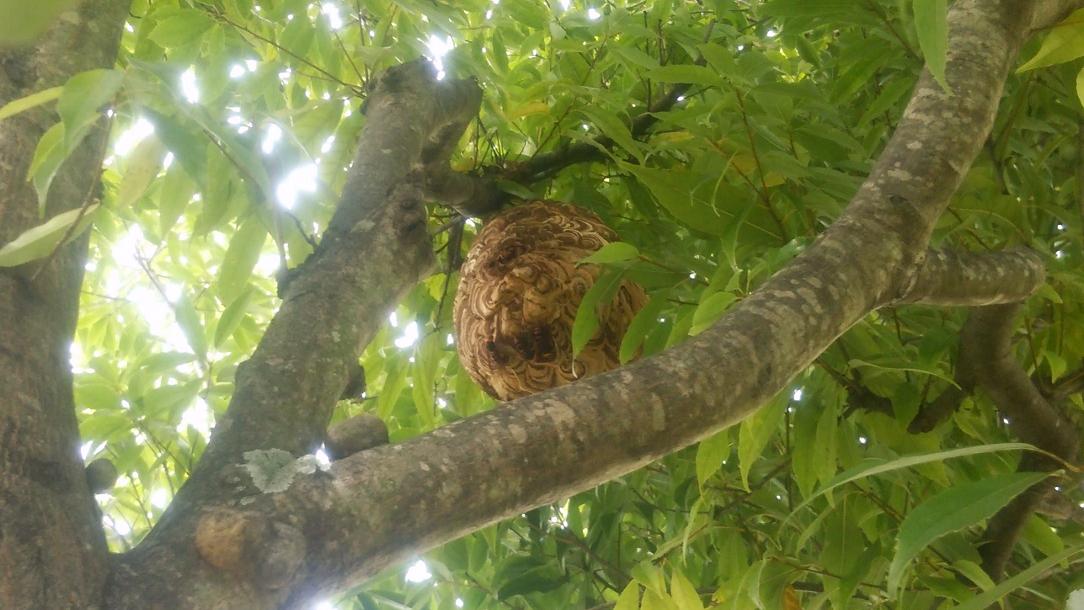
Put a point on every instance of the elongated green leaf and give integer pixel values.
(241, 257)
(673, 190)
(650, 576)
(710, 310)
(187, 145)
(711, 453)
(231, 317)
(1021, 578)
(83, 95)
(39, 241)
(684, 593)
(1080, 86)
(686, 74)
(642, 323)
(175, 193)
(48, 155)
(616, 252)
(615, 129)
(931, 24)
(974, 573)
(755, 432)
(875, 466)
(657, 601)
(184, 28)
(25, 103)
(629, 598)
(586, 323)
(954, 509)
(1063, 43)
(528, 12)
(189, 321)
(143, 165)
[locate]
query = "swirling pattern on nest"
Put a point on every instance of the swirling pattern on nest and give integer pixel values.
(518, 294)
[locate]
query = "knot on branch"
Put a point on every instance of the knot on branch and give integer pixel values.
(249, 545)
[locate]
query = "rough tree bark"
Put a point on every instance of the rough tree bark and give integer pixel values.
(223, 543)
(52, 548)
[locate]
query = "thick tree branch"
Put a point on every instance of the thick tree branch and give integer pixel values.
(969, 278)
(541, 448)
(375, 249)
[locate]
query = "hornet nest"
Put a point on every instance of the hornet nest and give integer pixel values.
(518, 294)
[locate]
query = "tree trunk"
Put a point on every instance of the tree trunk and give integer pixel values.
(52, 549)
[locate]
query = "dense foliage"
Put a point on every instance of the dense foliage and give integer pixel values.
(234, 121)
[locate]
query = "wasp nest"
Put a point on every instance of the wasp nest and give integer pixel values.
(518, 294)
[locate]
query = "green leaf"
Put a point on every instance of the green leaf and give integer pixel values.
(875, 466)
(175, 194)
(650, 576)
(615, 252)
(974, 573)
(187, 145)
(83, 95)
(683, 592)
(642, 323)
(231, 317)
(615, 129)
(1021, 578)
(672, 189)
(144, 162)
(1064, 43)
(182, 29)
(709, 310)
(657, 601)
(629, 598)
(39, 241)
(586, 323)
(1080, 86)
(1040, 535)
(931, 25)
(814, 442)
(48, 155)
(755, 432)
(711, 454)
(241, 256)
(25, 103)
(528, 12)
(687, 74)
(954, 509)
(189, 321)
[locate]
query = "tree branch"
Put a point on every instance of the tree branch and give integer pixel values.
(987, 339)
(376, 247)
(949, 277)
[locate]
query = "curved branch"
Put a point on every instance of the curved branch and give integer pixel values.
(987, 339)
(376, 247)
(393, 501)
